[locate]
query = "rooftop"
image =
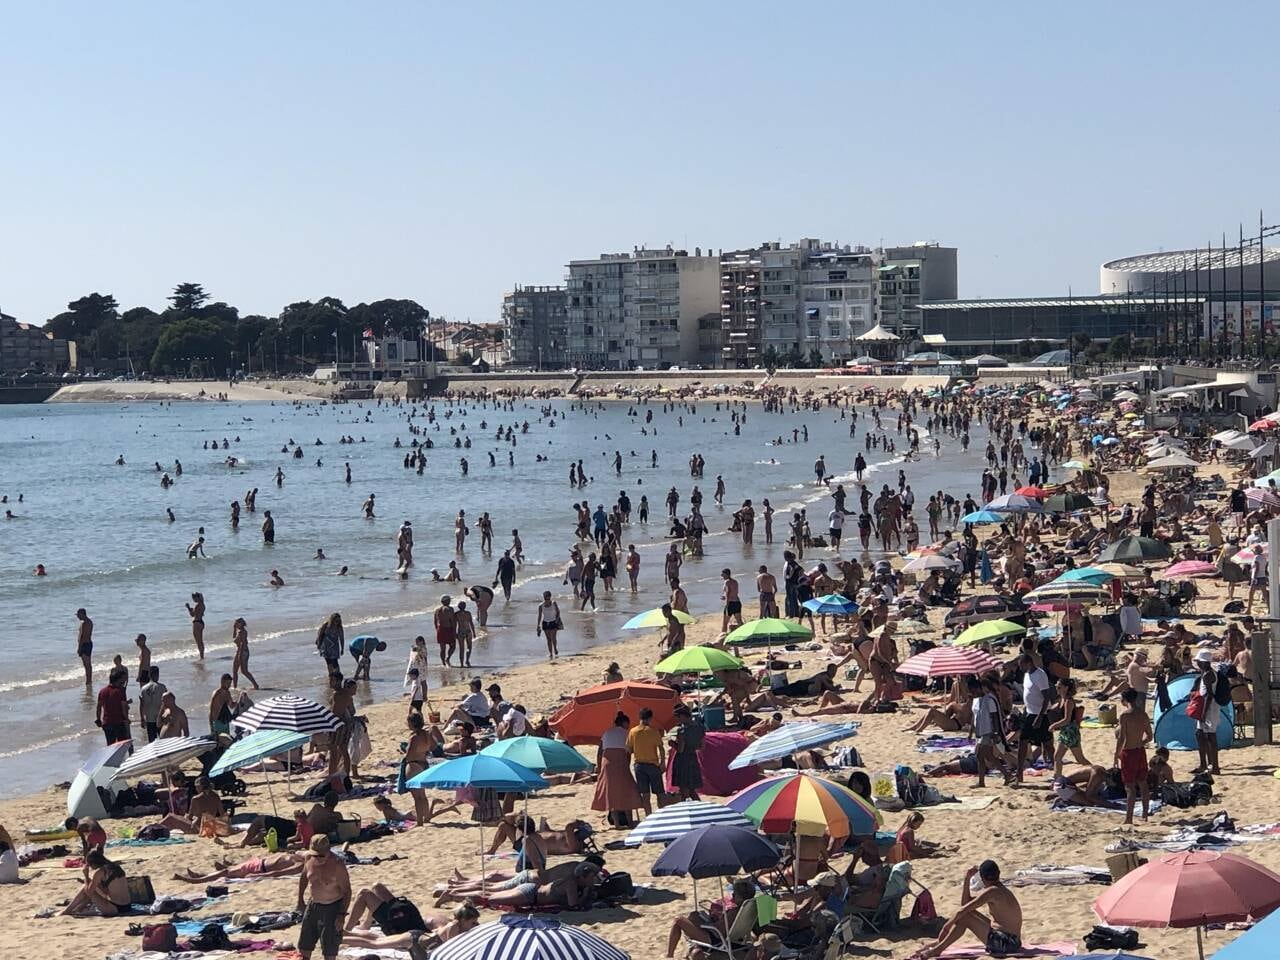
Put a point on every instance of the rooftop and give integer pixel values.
(1182, 259)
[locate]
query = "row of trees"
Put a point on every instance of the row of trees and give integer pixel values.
(195, 333)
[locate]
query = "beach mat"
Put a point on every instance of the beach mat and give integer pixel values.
(1063, 948)
(1113, 806)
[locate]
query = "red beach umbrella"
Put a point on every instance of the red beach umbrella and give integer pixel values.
(948, 662)
(590, 713)
(1039, 493)
(1191, 889)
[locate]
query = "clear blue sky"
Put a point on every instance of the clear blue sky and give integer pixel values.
(291, 150)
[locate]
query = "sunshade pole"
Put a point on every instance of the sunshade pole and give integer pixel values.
(724, 916)
(1200, 943)
(482, 860)
(267, 775)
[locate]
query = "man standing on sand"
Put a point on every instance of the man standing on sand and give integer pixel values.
(767, 587)
(84, 646)
(1133, 733)
(732, 602)
(323, 915)
(220, 714)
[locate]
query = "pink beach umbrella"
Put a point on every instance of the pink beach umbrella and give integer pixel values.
(948, 662)
(1192, 889)
(1186, 569)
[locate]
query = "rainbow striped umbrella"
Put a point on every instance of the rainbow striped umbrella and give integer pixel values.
(805, 805)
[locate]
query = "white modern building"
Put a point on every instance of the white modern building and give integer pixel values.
(651, 308)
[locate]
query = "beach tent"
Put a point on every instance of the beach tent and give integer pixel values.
(1175, 730)
(83, 799)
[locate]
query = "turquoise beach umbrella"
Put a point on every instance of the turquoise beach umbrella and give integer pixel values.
(480, 772)
(982, 516)
(1086, 575)
(831, 603)
(539, 754)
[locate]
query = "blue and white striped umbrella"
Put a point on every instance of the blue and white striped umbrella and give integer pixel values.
(519, 937)
(288, 712)
(679, 818)
(791, 738)
(159, 756)
(257, 746)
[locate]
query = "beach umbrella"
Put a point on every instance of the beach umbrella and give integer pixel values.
(1094, 575)
(523, 937)
(791, 738)
(807, 806)
(255, 748)
(1083, 591)
(716, 851)
(1174, 461)
(1262, 498)
(1263, 425)
(982, 516)
(160, 756)
(591, 711)
(539, 754)
(769, 629)
(832, 603)
(988, 630)
(1069, 502)
(98, 770)
(1135, 550)
(668, 823)
(654, 619)
(288, 712)
(1256, 943)
(1191, 889)
(1035, 493)
(1058, 606)
(1272, 479)
(698, 659)
(1264, 450)
(948, 662)
(1222, 436)
(934, 561)
(478, 772)
(1121, 571)
(1015, 503)
(1243, 442)
(1075, 465)
(1186, 569)
(1247, 554)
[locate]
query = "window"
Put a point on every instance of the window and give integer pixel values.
(835, 293)
(837, 275)
(833, 329)
(856, 313)
(834, 313)
(859, 293)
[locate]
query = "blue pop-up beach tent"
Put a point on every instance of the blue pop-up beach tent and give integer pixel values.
(1175, 730)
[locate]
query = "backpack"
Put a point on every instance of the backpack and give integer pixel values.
(616, 886)
(1102, 937)
(153, 831)
(1222, 686)
(160, 937)
(212, 936)
(923, 911)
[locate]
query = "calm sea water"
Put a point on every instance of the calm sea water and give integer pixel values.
(103, 534)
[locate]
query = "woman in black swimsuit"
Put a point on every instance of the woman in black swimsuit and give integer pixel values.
(196, 610)
(105, 891)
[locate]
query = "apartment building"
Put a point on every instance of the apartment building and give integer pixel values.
(535, 327)
(909, 276)
(24, 347)
(809, 295)
(650, 308)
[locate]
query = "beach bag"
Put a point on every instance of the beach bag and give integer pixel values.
(140, 890)
(617, 886)
(211, 937)
(923, 911)
(400, 916)
(1196, 706)
(160, 937)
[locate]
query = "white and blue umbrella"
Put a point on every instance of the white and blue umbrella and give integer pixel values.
(519, 937)
(832, 603)
(791, 738)
(678, 819)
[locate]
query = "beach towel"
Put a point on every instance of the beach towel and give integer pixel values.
(1050, 874)
(1064, 948)
(944, 744)
(1113, 806)
(135, 842)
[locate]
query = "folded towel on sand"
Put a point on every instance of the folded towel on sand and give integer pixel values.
(1063, 948)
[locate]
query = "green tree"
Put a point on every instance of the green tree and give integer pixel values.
(770, 357)
(814, 359)
(402, 318)
(82, 320)
(192, 345)
(1120, 347)
(187, 298)
(1081, 341)
(140, 329)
